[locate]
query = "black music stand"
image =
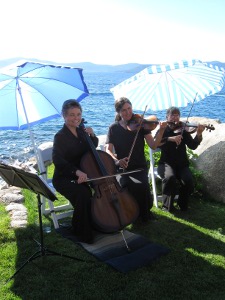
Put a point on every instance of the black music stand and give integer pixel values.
(26, 180)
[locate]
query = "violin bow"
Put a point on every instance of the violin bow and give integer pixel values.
(135, 138)
(110, 176)
(185, 123)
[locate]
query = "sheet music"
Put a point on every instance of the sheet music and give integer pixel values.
(27, 180)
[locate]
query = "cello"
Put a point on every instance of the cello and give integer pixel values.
(113, 208)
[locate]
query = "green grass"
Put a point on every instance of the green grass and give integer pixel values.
(194, 268)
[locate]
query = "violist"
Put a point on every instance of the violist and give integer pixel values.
(119, 143)
(174, 164)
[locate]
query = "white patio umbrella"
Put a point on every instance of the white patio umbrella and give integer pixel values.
(160, 86)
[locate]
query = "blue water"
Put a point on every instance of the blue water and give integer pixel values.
(98, 111)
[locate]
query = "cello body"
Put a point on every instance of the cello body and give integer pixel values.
(113, 207)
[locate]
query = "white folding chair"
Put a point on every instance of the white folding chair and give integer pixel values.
(153, 175)
(44, 152)
(101, 142)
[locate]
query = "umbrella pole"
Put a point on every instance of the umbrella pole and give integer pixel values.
(28, 124)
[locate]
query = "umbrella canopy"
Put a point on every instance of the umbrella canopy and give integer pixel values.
(160, 86)
(31, 92)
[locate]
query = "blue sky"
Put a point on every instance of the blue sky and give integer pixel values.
(113, 31)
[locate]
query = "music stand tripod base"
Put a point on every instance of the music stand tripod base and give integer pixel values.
(26, 180)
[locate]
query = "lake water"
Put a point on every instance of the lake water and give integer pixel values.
(98, 111)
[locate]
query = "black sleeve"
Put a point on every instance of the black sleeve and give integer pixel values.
(58, 156)
(191, 142)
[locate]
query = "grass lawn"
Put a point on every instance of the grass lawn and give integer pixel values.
(194, 268)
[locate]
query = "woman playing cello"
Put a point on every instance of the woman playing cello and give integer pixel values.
(68, 149)
(120, 138)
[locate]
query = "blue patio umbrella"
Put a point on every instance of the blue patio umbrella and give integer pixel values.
(158, 87)
(32, 92)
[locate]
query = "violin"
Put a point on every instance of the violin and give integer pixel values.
(113, 207)
(150, 123)
(180, 126)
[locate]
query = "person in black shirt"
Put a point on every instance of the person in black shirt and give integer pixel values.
(118, 144)
(68, 149)
(174, 164)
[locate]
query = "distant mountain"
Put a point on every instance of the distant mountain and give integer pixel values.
(91, 67)
(129, 68)
(86, 66)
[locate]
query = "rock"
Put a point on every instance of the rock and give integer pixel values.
(211, 162)
(18, 223)
(211, 159)
(10, 197)
(19, 214)
(211, 138)
(15, 207)
(3, 185)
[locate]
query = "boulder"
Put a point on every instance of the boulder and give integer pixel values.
(211, 159)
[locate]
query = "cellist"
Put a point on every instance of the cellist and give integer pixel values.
(68, 148)
(119, 140)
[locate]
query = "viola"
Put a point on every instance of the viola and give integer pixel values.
(113, 207)
(150, 123)
(180, 126)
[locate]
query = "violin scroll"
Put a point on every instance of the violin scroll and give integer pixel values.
(209, 127)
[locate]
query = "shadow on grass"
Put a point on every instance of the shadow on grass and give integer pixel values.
(36, 278)
(207, 214)
(192, 270)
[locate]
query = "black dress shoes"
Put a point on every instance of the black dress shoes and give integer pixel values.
(171, 210)
(149, 217)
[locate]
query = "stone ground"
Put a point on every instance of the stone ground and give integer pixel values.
(13, 199)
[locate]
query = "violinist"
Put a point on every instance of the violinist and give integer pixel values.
(68, 148)
(173, 163)
(118, 144)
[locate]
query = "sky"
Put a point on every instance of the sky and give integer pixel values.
(113, 32)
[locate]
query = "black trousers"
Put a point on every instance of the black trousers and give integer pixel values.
(169, 185)
(138, 185)
(79, 196)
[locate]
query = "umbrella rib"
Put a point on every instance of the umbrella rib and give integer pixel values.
(59, 82)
